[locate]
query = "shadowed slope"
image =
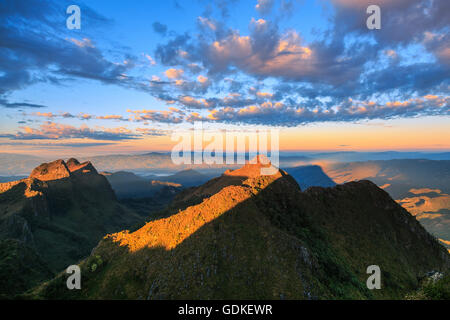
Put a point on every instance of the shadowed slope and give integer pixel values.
(310, 176)
(127, 185)
(420, 186)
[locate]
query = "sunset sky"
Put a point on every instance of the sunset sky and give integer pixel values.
(138, 70)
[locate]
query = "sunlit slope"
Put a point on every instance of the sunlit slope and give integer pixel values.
(263, 238)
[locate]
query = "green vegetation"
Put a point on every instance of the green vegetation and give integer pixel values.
(20, 268)
(432, 289)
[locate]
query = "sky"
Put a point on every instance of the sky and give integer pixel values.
(137, 71)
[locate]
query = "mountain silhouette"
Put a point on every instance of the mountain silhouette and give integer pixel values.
(128, 185)
(310, 176)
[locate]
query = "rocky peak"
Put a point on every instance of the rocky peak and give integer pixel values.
(76, 167)
(51, 171)
(259, 165)
(60, 169)
(72, 163)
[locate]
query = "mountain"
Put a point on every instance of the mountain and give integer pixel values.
(128, 185)
(187, 178)
(310, 176)
(347, 156)
(253, 236)
(421, 186)
(59, 213)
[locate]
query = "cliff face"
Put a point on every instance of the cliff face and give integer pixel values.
(248, 236)
(61, 211)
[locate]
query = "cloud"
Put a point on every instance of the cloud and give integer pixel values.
(171, 116)
(192, 102)
(44, 114)
(13, 105)
(207, 23)
(45, 50)
(57, 144)
(202, 79)
(85, 42)
(265, 95)
(264, 6)
(346, 61)
(150, 59)
(152, 132)
(279, 114)
(174, 73)
(80, 116)
(54, 131)
(269, 53)
(159, 28)
(111, 117)
(67, 115)
(403, 21)
(266, 74)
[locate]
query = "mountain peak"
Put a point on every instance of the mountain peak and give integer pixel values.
(51, 171)
(72, 162)
(59, 169)
(77, 167)
(259, 165)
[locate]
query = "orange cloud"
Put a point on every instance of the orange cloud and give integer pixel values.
(174, 73)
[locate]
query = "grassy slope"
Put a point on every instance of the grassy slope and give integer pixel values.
(20, 267)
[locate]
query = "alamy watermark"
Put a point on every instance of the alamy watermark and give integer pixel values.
(74, 20)
(374, 281)
(374, 20)
(207, 146)
(74, 280)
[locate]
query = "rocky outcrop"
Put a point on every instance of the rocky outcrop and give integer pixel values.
(72, 163)
(76, 167)
(51, 171)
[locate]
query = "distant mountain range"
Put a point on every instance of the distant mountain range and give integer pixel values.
(244, 235)
(349, 156)
(128, 185)
(159, 162)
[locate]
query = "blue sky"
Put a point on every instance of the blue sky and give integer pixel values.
(134, 72)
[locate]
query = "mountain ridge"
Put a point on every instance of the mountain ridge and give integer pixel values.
(261, 237)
